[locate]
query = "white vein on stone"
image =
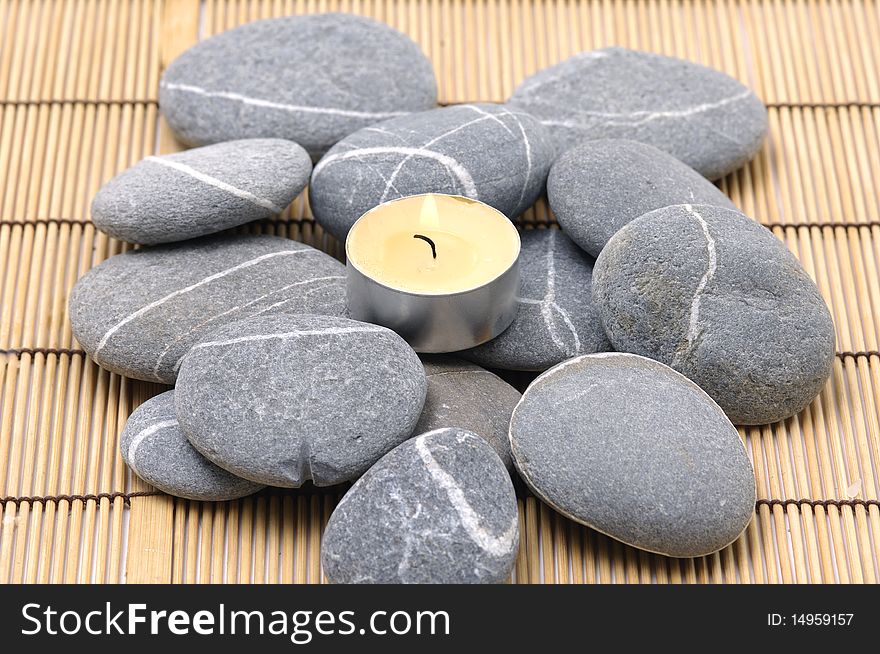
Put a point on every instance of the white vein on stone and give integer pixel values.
(548, 303)
(496, 546)
(636, 118)
(200, 325)
(296, 333)
(454, 167)
(389, 183)
(216, 183)
(268, 104)
(489, 116)
(705, 280)
(460, 372)
(528, 152)
(182, 291)
(149, 431)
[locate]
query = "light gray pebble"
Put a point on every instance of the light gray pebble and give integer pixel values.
(438, 509)
(699, 115)
(282, 399)
(719, 298)
(138, 313)
(310, 79)
(631, 448)
(595, 188)
(556, 319)
(157, 451)
(179, 196)
(486, 152)
(464, 395)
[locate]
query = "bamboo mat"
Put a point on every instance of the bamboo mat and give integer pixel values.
(78, 86)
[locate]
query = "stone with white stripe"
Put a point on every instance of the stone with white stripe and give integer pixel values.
(597, 187)
(179, 196)
(311, 79)
(438, 509)
(464, 395)
(155, 448)
(486, 152)
(556, 319)
(701, 116)
(139, 312)
(635, 450)
(719, 298)
(283, 399)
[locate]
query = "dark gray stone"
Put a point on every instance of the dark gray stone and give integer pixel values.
(157, 451)
(286, 399)
(716, 296)
(556, 318)
(597, 187)
(633, 449)
(463, 395)
(486, 152)
(139, 312)
(201, 191)
(309, 79)
(439, 509)
(699, 115)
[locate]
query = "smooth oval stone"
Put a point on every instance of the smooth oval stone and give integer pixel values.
(716, 296)
(157, 451)
(486, 152)
(556, 318)
(138, 313)
(310, 79)
(464, 395)
(283, 399)
(597, 187)
(179, 196)
(438, 509)
(631, 448)
(699, 115)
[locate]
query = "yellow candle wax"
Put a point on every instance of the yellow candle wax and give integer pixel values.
(433, 244)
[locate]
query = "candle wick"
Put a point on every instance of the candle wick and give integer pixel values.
(429, 242)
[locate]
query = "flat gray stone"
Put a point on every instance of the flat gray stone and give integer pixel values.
(283, 399)
(178, 196)
(138, 313)
(439, 509)
(157, 451)
(464, 395)
(716, 296)
(699, 115)
(309, 79)
(597, 187)
(631, 448)
(556, 318)
(486, 152)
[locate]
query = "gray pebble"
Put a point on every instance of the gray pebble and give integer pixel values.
(486, 152)
(138, 313)
(716, 296)
(637, 451)
(439, 509)
(157, 451)
(464, 395)
(700, 116)
(310, 79)
(556, 318)
(595, 188)
(286, 399)
(201, 191)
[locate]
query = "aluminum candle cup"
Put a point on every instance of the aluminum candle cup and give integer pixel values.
(440, 270)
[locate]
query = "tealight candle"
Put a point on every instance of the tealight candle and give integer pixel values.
(440, 270)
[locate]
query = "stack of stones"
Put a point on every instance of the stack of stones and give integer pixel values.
(657, 317)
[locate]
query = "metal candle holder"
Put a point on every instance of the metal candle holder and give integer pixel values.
(436, 322)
